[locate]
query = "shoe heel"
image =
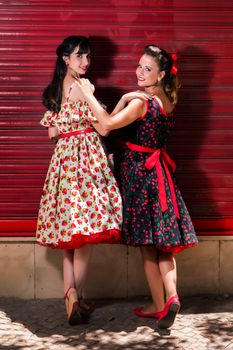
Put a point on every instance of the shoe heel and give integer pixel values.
(168, 320)
(73, 313)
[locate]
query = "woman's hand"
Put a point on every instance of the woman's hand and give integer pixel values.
(53, 133)
(85, 87)
(135, 94)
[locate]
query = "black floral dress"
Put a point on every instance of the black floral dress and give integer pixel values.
(154, 212)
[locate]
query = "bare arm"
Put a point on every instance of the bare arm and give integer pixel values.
(126, 98)
(100, 128)
(134, 110)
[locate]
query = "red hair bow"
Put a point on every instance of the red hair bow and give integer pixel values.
(174, 69)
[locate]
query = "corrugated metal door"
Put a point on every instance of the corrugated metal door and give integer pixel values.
(202, 34)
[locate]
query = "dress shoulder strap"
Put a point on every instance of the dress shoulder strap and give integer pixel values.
(69, 92)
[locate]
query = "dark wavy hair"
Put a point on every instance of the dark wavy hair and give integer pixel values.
(52, 95)
(170, 81)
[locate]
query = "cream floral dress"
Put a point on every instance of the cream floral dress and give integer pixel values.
(81, 202)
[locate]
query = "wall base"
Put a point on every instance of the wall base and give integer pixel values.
(31, 271)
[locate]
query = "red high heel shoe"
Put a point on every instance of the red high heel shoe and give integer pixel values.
(138, 311)
(169, 313)
(73, 312)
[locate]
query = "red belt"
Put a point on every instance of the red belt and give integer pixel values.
(157, 157)
(77, 132)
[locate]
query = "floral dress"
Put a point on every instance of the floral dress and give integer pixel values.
(81, 202)
(154, 212)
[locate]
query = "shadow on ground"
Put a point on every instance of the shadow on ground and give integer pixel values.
(29, 324)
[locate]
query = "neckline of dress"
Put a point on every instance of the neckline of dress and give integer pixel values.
(72, 102)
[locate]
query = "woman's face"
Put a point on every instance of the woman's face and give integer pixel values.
(78, 62)
(147, 72)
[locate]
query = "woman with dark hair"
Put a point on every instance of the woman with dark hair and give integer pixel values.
(155, 217)
(81, 203)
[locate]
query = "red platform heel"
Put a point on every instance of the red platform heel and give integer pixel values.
(73, 312)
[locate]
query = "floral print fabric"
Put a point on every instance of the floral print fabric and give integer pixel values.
(81, 202)
(144, 223)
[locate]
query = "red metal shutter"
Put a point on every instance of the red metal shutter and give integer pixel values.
(201, 32)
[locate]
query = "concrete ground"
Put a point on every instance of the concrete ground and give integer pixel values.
(204, 322)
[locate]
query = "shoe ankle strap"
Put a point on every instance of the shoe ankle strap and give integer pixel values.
(66, 294)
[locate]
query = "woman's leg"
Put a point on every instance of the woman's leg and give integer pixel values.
(154, 279)
(68, 270)
(69, 285)
(167, 266)
(75, 266)
(80, 266)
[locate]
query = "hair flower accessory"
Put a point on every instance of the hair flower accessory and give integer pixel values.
(174, 69)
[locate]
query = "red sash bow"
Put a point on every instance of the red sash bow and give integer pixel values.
(157, 157)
